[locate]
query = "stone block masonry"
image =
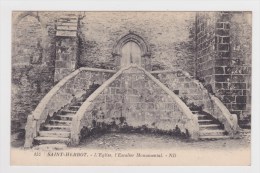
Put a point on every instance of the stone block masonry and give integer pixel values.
(227, 66)
(189, 90)
(56, 41)
(66, 47)
(233, 74)
(134, 99)
(205, 46)
(168, 39)
(47, 46)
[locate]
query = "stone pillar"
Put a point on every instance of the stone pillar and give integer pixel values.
(66, 47)
(205, 43)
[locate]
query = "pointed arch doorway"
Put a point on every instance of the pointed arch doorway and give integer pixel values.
(132, 49)
(131, 54)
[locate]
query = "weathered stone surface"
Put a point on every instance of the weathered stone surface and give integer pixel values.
(223, 43)
(68, 88)
(64, 33)
(202, 99)
(98, 37)
(187, 88)
(151, 106)
(231, 60)
(70, 28)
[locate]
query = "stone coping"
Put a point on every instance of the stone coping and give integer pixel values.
(165, 71)
(231, 123)
(97, 70)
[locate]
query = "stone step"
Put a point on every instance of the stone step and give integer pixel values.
(54, 134)
(78, 104)
(68, 112)
(69, 24)
(213, 137)
(51, 140)
(205, 121)
(210, 126)
(61, 122)
(65, 117)
(74, 108)
(68, 19)
(57, 128)
(212, 132)
(203, 117)
(50, 146)
(67, 28)
(195, 112)
(245, 132)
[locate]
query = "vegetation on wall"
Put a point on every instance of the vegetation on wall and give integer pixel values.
(29, 85)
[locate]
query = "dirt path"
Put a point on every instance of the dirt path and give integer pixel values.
(144, 141)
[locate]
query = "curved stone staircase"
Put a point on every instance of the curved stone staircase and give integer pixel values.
(57, 129)
(209, 127)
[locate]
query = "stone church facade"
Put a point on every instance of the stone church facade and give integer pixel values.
(182, 73)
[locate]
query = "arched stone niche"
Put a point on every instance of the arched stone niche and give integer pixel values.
(28, 40)
(144, 48)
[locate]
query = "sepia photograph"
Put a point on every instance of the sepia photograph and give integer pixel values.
(131, 88)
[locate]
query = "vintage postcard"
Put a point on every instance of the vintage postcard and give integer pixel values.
(111, 88)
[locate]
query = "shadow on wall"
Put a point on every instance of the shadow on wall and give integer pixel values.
(120, 125)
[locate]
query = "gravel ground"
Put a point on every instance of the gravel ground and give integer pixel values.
(143, 141)
(120, 141)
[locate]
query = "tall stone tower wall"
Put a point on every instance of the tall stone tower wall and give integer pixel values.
(223, 41)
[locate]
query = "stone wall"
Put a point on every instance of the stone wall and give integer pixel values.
(227, 66)
(135, 100)
(35, 48)
(66, 46)
(191, 91)
(217, 48)
(235, 91)
(29, 85)
(28, 41)
(33, 55)
(170, 40)
(66, 57)
(205, 46)
(33, 61)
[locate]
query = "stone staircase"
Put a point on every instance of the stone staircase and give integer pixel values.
(57, 129)
(210, 128)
